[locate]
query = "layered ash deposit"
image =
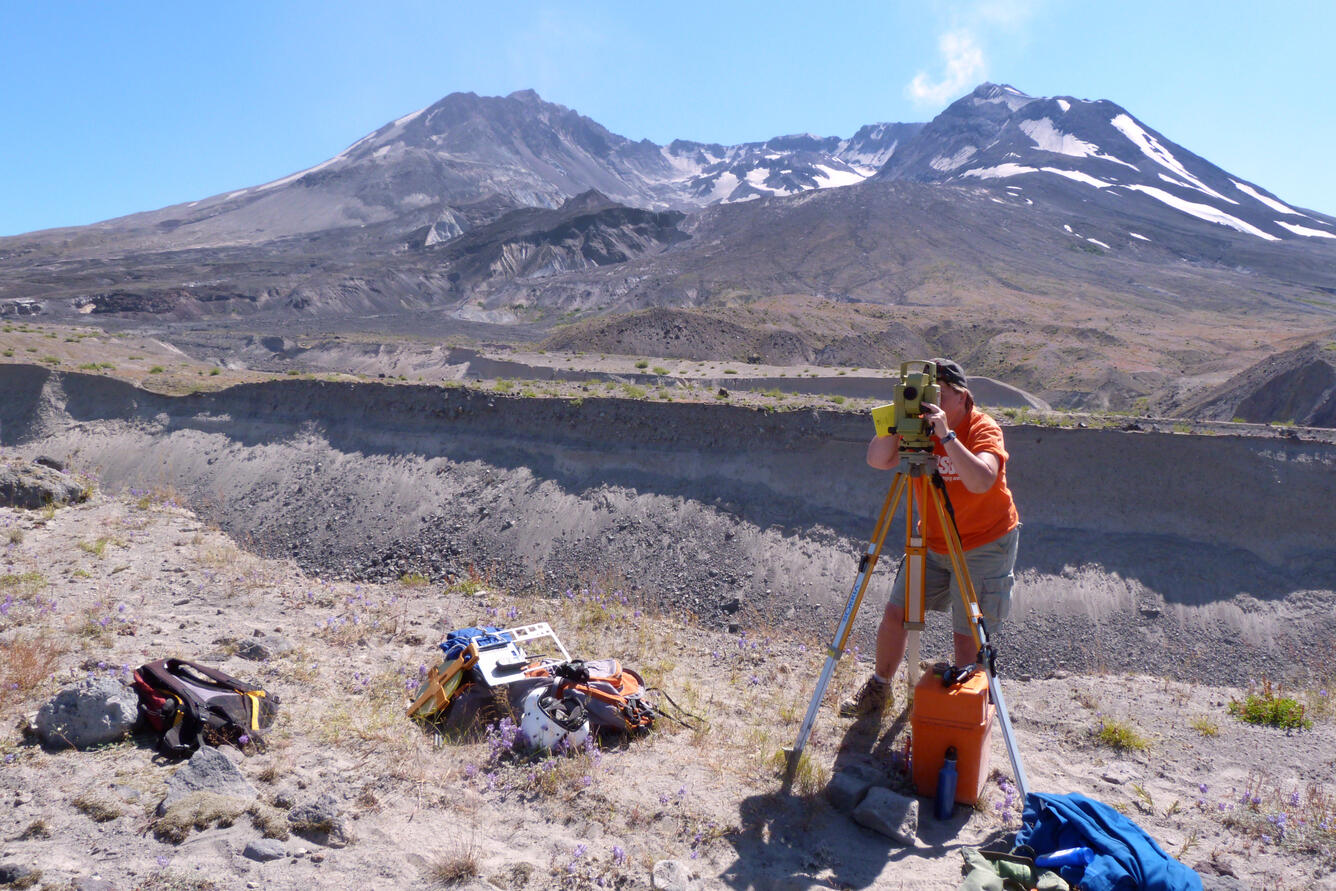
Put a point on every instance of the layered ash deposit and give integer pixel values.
(1204, 556)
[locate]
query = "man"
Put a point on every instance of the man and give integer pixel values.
(972, 460)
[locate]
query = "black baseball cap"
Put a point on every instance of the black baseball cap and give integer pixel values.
(949, 372)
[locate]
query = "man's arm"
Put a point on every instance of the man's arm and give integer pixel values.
(883, 452)
(977, 472)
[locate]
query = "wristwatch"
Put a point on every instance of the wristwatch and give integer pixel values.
(948, 437)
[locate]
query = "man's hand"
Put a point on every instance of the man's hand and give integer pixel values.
(936, 418)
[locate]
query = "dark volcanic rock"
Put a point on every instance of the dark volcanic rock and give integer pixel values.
(31, 486)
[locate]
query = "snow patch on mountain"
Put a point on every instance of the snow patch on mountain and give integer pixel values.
(830, 178)
(944, 164)
(1151, 148)
(1049, 138)
(1064, 105)
(1269, 202)
(1202, 211)
(1305, 230)
(1002, 171)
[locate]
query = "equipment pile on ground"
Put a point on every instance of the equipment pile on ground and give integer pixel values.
(487, 676)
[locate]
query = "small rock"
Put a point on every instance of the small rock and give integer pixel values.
(263, 647)
(1118, 774)
(850, 785)
(14, 873)
(93, 883)
(320, 822)
(670, 875)
(264, 850)
(891, 814)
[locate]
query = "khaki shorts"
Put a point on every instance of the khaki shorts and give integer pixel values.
(992, 570)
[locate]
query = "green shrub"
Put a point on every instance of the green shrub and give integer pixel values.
(1268, 706)
(156, 369)
(1120, 735)
(642, 364)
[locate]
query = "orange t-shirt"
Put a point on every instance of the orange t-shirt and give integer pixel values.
(983, 516)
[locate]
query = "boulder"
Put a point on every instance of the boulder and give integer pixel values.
(208, 770)
(31, 486)
(90, 713)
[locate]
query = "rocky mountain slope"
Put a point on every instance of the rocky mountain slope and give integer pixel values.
(1054, 243)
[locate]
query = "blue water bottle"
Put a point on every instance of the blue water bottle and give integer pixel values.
(946, 786)
(1066, 857)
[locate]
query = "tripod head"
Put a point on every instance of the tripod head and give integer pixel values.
(917, 463)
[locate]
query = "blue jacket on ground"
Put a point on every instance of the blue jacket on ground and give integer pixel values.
(1126, 858)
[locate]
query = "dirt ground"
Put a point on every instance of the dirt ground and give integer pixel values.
(100, 588)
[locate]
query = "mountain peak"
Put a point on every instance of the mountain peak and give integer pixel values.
(989, 90)
(526, 96)
(586, 201)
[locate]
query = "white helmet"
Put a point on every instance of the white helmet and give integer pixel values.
(547, 721)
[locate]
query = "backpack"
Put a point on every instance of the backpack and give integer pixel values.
(191, 704)
(615, 695)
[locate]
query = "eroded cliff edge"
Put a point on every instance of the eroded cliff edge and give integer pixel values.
(1209, 556)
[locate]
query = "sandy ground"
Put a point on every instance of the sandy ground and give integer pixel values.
(122, 580)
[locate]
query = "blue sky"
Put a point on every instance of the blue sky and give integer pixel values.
(112, 108)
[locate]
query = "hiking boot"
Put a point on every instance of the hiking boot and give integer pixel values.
(872, 697)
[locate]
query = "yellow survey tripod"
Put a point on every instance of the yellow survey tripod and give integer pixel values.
(920, 485)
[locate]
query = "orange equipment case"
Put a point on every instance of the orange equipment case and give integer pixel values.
(959, 716)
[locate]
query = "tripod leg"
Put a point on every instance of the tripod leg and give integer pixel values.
(979, 630)
(865, 566)
(915, 577)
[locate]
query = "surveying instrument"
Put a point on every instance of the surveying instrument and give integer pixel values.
(919, 484)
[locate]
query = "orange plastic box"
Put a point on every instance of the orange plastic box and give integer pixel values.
(959, 716)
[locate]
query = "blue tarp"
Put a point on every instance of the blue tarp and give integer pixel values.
(1126, 858)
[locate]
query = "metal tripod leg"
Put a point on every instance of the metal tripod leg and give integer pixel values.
(979, 630)
(915, 575)
(865, 566)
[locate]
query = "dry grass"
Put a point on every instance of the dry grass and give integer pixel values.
(97, 807)
(198, 810)
(449, 870)
(26, 663)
